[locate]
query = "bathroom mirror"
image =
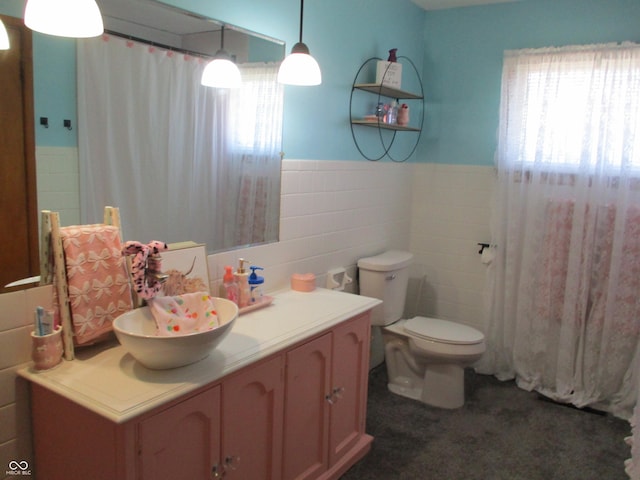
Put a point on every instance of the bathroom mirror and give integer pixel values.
(176, 30)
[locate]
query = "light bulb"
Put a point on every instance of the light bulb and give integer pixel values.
(64, 18)
(221, 72)
(300, 68)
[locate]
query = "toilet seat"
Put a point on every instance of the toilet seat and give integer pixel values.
(443, 331)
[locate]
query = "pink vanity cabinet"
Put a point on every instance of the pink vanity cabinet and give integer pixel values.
(228, 429)
(298, 413)
(325, 406)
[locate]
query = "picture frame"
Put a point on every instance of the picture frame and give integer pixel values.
(186, 265)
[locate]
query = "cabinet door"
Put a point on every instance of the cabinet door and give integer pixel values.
(252, 402)
(349, 385)
(306, 427)
(182, 441)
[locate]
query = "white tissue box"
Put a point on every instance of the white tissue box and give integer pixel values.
(389, 74)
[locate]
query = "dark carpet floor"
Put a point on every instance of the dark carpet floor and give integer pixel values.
(501, 433)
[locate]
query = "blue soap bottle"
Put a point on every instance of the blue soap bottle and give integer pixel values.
(255, 285)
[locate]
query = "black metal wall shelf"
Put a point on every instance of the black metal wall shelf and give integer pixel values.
(389, 92)
(384, 126)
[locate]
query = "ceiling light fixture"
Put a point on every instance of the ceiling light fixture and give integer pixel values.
(64, 18)
(300, 68)
(221, 72)
(4, 37)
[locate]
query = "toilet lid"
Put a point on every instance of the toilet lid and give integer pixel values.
(443, 331)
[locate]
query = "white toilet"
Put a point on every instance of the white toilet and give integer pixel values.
(425, 357)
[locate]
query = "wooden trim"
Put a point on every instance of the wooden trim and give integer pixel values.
(26, 56)
(61, 285)
(46, 252)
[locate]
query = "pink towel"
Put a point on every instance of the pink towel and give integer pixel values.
(184, 314)
(98, 282)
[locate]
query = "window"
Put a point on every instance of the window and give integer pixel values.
(572, 108)
(262, 95)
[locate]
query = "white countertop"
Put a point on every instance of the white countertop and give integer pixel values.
(107, 380)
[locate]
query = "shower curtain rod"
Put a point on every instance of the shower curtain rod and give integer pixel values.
(158, 45)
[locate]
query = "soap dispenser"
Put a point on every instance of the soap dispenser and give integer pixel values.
(255, 285)
(242, 279)
(229, 285)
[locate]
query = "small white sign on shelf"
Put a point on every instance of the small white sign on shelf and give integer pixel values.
(389, 74)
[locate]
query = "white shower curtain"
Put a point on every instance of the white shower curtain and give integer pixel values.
(165, 149)
(565, 284)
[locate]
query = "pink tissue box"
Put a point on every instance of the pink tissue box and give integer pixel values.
(303, 282)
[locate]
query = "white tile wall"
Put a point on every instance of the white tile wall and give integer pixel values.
(332, 213)
(58, 187)
(15, 344)
(450, 215)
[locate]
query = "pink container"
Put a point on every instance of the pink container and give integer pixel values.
(46, 350)
(303, 282)
(403, 115)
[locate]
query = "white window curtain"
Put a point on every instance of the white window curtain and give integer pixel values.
(565, 283)
(163, 148)
(256, 150)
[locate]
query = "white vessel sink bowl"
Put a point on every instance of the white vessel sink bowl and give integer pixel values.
(136, 332)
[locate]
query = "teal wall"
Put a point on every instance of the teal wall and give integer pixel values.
(261, 50)
(457, 51)
(54, 83)
(463, 63)
(340, 34)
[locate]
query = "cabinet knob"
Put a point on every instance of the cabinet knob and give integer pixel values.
(334, 396)
(217, 471)
(231, 461)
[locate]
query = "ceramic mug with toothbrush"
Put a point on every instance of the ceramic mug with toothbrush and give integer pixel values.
(46, 351)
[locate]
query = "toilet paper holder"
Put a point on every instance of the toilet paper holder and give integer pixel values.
(482, 247)
(337, 279)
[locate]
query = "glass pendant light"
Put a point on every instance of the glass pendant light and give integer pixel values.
(221, 72)
(4, 37)
(300, 68)
(64, 18)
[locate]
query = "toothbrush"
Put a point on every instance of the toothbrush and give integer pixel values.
(39, 317)
(38, 324)
(46, 321)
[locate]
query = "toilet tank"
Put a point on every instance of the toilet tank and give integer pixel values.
(386, 277)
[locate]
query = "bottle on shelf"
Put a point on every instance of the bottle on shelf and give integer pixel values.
(403, 115)
(242, 279)
(229, 285)
(255, 285)
(380, 112)
(392, 113)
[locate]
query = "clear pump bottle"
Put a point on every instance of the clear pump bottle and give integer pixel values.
(242, 279)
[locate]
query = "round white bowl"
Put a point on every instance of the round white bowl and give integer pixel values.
(136, 332)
